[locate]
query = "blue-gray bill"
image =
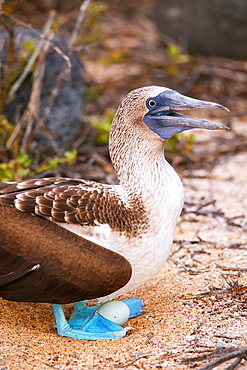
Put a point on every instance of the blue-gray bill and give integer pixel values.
(163, 119)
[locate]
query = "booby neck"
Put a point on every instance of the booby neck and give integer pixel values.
(138, 160)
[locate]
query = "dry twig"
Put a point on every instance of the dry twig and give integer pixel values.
(32, 59)
(78, 22)
(32, 110)
(38, 33)
(5, 77)
(41, 120)
(222, 355)
(223, 244)
(233, 289)
(238, 353)
(197, 209)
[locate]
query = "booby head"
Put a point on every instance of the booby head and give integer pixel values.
(158, 106)
(144, 121)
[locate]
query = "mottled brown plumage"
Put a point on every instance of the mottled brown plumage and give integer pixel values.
(76, 202)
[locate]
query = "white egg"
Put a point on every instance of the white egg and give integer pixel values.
(115, 311)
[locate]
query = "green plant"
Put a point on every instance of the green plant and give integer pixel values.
(180, 140)
(6, 129)
(20, 168)
(13, 69)
(102, 127)
(68, 158)
(92, 31)
(176, 57)
(15, 169)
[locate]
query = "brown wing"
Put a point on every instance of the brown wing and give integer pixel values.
(60, 200)
(43, 262)
(76, 202)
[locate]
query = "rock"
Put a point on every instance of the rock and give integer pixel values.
(205, 27)
(66, 111)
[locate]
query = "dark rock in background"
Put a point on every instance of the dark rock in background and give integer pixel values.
(205, 27)
(65, 114)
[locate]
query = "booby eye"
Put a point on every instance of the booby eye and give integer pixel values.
(151, 103)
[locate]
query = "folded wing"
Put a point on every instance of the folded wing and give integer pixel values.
(43, 262)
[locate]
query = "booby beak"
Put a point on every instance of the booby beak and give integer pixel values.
(163, 119)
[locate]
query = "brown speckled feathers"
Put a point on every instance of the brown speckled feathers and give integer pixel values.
(76, 202)
(43, 262)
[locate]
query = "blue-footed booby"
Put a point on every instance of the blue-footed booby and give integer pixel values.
(65, 240)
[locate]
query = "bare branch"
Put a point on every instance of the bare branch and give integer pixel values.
(33, 105)
(79, 20)
(38, 33)
(221, 356)
(32, 59)
(34, 102)
(5, 76)
(239, 353)
(41, 120)
(1, 4)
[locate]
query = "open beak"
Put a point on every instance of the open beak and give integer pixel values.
(166, 122)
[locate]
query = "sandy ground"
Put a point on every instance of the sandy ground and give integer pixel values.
(209, 254)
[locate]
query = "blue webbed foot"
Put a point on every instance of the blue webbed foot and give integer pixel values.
(87, 323)
(82, 312)
(95, 328)
(135, 306)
